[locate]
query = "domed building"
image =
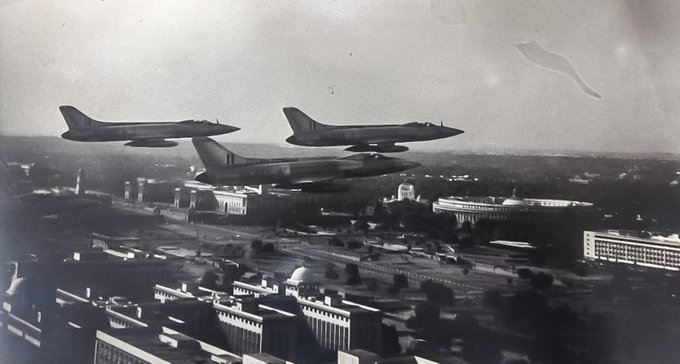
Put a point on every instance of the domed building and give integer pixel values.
(512, 208)
(514, 201)
(301, 283)
(406, 191)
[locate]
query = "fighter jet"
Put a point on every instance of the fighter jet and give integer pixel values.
(361, 138)
(315, 175)
(82, 128)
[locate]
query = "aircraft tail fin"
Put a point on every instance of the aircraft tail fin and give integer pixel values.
(76, 119)
(300, 122)
(213, 154)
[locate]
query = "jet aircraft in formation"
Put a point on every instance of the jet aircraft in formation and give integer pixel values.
(317, 174)
(82, 128)
(307, 174)
(361, 138)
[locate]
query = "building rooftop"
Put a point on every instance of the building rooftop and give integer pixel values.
(515, 201)
(668, 238)
(338, 306)
(251, 308)
(166, 345)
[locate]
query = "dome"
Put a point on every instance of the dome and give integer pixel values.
(300, 274)
(515, 201)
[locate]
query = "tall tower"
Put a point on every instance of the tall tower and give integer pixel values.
(80, 182)
(128, 188)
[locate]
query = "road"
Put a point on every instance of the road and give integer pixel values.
(216, 233)
(377, 269)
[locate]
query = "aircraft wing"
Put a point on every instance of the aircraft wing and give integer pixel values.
(314, 185)
(151, 143)
(378, 148)
(312, 180)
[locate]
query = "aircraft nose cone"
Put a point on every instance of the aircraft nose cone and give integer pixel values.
(224, 129)
(452, 131)
(410, 164)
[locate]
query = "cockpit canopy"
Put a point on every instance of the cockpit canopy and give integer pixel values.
(196, 122)
(420, 124)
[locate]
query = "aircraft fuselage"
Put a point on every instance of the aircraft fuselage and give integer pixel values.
(283, 172)
(146, 130)
(382, 134)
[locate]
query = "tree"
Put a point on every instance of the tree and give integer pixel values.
(563, 316)
(425, 314)
(330, 272)
(352, 273)
(243, 269)
(389, 341)
(483, 348)
(492, 299)
(362, 226)
(353, 244)
(525, 273)
(351, 281)
(268, 248)
(437, 292)
(466, 324)
(351, 269)
(209, 280)
(335, 241)
(256, 245)
(400, 281)
(542, 281)
(525, 306)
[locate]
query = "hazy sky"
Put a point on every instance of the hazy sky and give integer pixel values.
(352, 62)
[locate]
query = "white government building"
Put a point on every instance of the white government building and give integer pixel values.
(337, 324)
(618, 246)
(508, 208)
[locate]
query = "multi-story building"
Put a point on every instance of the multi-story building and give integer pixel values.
(654, 251)
(264, 289)
(143, 345)
(358, 356)
(163, 293)
(341, 325)
(232, 202)
(263, 358)
(337, 324)
(251, 327)
(513, 208)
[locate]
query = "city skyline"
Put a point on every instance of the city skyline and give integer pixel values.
(459, 62)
